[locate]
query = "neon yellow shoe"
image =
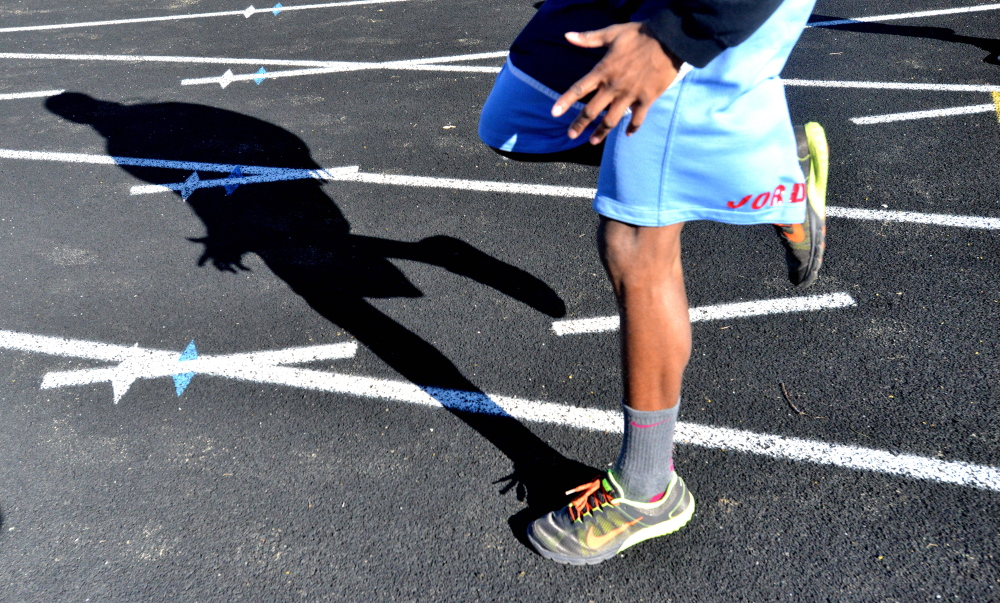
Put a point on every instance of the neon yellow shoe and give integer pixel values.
(804, 243)
(600, 523)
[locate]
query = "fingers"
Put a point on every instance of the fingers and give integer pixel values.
(590, 112)
(634, 73)
(580, 89)
(639, 111)
(591, 81)
(592, 39)
(611, 119)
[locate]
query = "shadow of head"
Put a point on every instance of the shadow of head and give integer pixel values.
(305, 240)
(292, 225)
(183, 131)
(78, 107)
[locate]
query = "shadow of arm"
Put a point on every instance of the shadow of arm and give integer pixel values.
(458, 257)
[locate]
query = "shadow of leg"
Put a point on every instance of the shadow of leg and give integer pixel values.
(540, 474)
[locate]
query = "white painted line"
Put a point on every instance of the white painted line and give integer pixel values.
(496, 54)
(138, 161)
(890, 117)
(137, 58)
(916, 15)
(264, 367)
(848, 457)
(351, 174)
(62, 346)
(194, 183)
(761, 307)
(247, 13)
(141, 363)
(271, 174)
(39, 94)
(547, 190)
(893, 85)
(424, 64)
(429, 64)
(309, 67)
(880, 215)
(229, 77)
(347, 65)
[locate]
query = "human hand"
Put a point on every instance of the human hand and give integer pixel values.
(635, 71)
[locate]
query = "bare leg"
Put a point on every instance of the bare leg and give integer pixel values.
(644, 265)
(646, 496)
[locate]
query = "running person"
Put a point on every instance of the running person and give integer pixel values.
(705, 135)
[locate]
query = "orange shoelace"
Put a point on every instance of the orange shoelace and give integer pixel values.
(593, 496)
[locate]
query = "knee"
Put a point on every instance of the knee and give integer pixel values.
(639, 256)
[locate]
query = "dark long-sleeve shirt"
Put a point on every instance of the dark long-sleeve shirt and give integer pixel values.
(694, 30)
(697, 31)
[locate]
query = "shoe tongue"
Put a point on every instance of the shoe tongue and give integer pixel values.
(610, 485)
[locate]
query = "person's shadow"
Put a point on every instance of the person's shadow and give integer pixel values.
(988, 45)
(301, 235)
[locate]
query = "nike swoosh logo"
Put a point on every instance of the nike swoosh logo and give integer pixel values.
(634, 424)
(596, 542)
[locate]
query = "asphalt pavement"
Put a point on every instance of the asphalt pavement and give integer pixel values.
(293, 201)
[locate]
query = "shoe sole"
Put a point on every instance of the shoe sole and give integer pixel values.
(661, 529)
(819, 166)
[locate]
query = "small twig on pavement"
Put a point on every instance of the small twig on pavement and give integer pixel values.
(790, 403)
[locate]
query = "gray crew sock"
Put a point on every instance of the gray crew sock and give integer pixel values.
(646, 461)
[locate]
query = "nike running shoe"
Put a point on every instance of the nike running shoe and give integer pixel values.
(600, 522)
(804, 243)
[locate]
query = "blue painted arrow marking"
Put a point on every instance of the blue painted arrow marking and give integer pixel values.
(276, 8)
(236, 173)
(190, 185)
(182, 380)
(258, 80)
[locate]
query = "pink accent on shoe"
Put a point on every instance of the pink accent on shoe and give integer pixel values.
(658, 497)
(634, 424)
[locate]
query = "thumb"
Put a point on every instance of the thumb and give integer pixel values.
(590, 39)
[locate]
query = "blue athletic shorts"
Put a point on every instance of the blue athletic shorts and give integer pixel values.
(717, 145)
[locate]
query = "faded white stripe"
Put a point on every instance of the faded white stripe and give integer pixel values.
(915, 15)
(761, 307)
(39, 94)
(136, 58)
(914, 217)
(890, 117)
(893, 85)
(345, 65)
(247, 12)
